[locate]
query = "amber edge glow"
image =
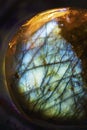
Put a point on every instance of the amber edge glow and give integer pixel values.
(37, 21)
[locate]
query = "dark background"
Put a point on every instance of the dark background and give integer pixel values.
(13, 13)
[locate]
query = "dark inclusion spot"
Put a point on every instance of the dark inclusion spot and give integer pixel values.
(46, 65)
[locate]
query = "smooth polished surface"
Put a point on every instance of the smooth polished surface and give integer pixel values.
(45, 66)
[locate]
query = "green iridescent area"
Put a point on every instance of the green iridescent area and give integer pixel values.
(47, 70)
(52, 75)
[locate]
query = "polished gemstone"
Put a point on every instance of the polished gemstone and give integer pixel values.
(46, 66)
